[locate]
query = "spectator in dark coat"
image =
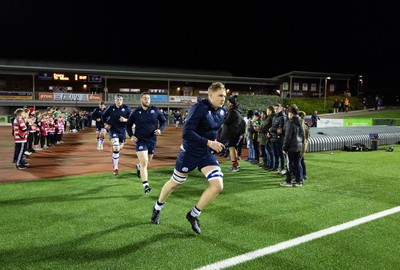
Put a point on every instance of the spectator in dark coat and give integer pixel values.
(277, 133)
(314, 119)
(231, 130)
(336, 106)
(268, 145)
(292, 146)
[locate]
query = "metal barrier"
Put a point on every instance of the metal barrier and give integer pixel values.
(327, 139)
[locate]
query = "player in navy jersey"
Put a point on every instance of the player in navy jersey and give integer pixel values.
(199, 144)
(177, 118)
(149, 122)
(114, 119)
(100, 129)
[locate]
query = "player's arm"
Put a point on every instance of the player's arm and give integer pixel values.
(162, 121)
(129, 123)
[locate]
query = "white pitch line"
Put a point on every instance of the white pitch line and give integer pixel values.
(296, 241)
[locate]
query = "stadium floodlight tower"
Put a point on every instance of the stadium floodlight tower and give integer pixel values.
(326, 86)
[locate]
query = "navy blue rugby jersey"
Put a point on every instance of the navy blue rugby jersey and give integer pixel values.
(202, 123)
(97, 113)
(112, 114)
(146, 121)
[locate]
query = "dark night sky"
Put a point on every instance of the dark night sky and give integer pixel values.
(253, 38)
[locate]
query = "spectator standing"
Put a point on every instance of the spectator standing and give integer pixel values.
(379, 103)
(253, 130)
(242, 131)
(20, 138)
(248, 135)
(51, 135)
(292, 147)
(306, 130)
(231, 130)
(42, 124)
(268, 145)
(364, 103)
(262, 134)
(341, 107)
(314, 119)
(36, 135)
(277, 134)
(336, 106)
(60, 128)
(31, 125)
(346, 104)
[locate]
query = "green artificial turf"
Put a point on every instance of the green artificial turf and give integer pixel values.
(385, 114)
(103, 222)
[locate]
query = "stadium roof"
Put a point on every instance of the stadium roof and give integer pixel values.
(129, 72)
(315, 75)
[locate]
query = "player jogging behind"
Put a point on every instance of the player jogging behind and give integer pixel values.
(114, 119)
(149, 122)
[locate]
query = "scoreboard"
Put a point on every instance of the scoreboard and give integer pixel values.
(56, 76)
(95, 78)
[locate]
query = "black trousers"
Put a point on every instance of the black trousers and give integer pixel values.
(19, 150)
(30, 141)
(293, 166)
(256, 150)
(239, 147)
(36, 138)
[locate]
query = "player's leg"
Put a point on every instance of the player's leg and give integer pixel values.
(214, 176)
(102, 137)
(143, 163)
(215, 185)
(98, 138)
(176, 179)
(116, 148)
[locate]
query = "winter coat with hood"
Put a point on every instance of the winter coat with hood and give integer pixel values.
(277, 126)
(294, 135)
(232, 128)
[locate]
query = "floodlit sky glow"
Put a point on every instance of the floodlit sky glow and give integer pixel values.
(257, 39)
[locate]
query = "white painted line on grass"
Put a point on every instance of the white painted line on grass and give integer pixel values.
(296, 241)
